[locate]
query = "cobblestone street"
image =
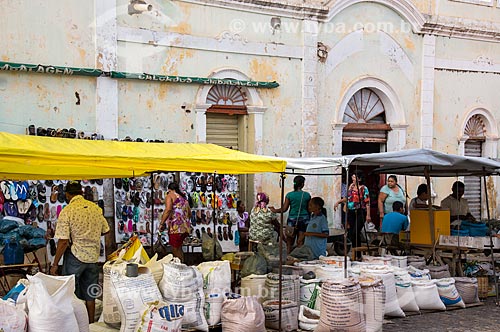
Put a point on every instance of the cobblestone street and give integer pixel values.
(481, 318)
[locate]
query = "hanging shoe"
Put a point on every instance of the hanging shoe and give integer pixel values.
(219, 233)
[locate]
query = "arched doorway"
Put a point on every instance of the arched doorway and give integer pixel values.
(243, 108)
(225, 119)
(366, 132)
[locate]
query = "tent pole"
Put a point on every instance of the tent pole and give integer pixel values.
(491, 239)
(431, 214)
(153, 216)
(345, 224)
(280, 283)
(215, 203)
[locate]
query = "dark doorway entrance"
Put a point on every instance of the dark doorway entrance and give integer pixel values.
(372, 181)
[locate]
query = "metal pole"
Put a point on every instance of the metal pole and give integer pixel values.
(491, 241)
(215, 202)
(431, 213)
(152, 216)
(280, 283)
(345, 224)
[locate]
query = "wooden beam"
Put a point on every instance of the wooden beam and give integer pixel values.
(363, 139)
(367, 126)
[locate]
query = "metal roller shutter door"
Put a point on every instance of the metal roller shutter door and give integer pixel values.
(473, 148)
(222, 129)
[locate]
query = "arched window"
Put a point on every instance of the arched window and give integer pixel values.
(365, 118)
(475, 129)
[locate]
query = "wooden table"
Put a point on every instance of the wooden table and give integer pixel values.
(453, 254)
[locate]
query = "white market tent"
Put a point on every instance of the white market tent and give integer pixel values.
(405, 162)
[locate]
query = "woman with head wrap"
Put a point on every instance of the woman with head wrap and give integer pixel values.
(262, 220)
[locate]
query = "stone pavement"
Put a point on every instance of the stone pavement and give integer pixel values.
(485, 318)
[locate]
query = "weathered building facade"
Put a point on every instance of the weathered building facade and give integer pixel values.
(354, 76)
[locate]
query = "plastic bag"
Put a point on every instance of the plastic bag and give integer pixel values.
(210, 248)
(255, 264)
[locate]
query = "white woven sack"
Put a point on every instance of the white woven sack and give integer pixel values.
(341, 307)
(309, 266)
(216, 277)
(242, 314)
(332, 272)
(109, 305)
(406, 297)
(373, 291)
(377, 260)
(418, 274)
(289, 315)
(399, 261)
(160, 317)
(448, 293)
(12, 318)
(156, 266)
(290, 288)
(338, 261)
(439, 272)
(49, 303)
(416, 261)
(308, 289)
(133, 295)
(213, 306)
(180, 282)
(392, 307)
(427, 295)
(468, 289)
(183, 284)
(81, 315)
(308, 318)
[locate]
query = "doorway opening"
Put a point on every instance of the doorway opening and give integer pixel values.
(372, 181)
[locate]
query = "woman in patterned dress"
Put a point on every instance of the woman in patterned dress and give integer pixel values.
(262, 221)
(176, 219)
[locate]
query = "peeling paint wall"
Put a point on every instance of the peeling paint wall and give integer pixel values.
(46, 33)
(365, 40)
(370, 52)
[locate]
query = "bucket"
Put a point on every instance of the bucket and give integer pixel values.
(13, 253)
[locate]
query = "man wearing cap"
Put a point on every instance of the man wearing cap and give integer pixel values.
(79, 229)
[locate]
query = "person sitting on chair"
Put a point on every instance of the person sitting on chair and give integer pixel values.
(395, 222)
(458, 206)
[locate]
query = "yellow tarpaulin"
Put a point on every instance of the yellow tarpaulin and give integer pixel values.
(24, 157)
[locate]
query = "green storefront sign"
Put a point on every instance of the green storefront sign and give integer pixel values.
(22, 67)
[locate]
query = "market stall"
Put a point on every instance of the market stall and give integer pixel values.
(45, 158)
(415, 162)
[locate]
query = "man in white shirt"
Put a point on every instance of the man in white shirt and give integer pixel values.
(458, 206)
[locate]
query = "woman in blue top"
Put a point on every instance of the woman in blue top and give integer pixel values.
(317, 230)
(298, 217)
(389, 194)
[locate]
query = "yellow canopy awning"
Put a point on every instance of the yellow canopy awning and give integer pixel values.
(24, 157)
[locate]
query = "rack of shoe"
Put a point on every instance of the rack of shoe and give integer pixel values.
(39, 203)
(212, 198)
(139, 205)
